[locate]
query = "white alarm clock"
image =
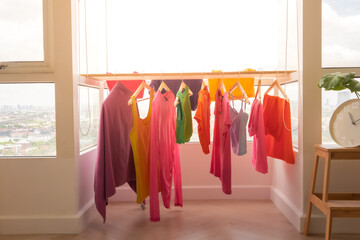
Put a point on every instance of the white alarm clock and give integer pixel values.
(345, 124)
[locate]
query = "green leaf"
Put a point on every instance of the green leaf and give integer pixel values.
(353, 85)
(336, 81)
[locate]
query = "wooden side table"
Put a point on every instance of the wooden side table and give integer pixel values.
(332, 204)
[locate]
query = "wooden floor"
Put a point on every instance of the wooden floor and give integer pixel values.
(222, 219)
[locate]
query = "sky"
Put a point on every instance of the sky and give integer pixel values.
(21, 30)
(39, 94)
(187, 35)
(341, 33)
(344, 8)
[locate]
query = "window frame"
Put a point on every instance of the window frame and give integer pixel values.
(18, 72)
(101, 99)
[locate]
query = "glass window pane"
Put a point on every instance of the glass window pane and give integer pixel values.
(21, 32)
(292, 90)
(340, 33)
(27, 119)
(186, 35)
(89, 116)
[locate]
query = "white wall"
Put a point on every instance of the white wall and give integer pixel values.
(40, 195)
(198, 183)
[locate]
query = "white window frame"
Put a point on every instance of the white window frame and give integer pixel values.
(46, 66)
(39, 72)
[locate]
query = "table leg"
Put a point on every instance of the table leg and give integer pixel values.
(328, 225)
(326, 179)
(312, 187)
(308, 216)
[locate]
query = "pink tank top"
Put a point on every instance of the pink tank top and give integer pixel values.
(164, 154)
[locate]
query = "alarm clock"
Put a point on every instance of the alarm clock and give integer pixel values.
(345, 124)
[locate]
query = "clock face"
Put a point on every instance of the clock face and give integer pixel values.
(345, 124)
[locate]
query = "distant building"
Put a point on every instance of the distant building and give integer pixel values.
(343, 96)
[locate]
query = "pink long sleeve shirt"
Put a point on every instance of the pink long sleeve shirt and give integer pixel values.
(257, 131)
(221, 152)
(164, 154)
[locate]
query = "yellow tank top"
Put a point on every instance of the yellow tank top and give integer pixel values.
(140, 143)
(246, 83)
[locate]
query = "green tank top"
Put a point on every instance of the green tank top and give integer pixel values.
(183, 118)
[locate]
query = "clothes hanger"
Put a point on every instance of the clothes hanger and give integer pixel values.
(222, 85)
(182, 86)
(258, 90)
(238, 84)
(138, 90)
(278, 85)
(163, 85)
(203, 85)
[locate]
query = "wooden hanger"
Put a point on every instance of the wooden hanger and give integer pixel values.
(163, 86)
(258, 90)
(277, 84)
(222, 85)
(238, 84)
(138, 90)
(182, 86)
(203, 85)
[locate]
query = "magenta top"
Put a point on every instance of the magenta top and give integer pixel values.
(257, 131)
(164, 154)
(115, 163)
(221, 151)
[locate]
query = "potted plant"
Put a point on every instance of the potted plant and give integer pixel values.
(340, 81)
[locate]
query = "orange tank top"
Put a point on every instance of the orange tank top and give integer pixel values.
(140, 143)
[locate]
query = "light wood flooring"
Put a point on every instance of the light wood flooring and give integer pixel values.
(215, 219)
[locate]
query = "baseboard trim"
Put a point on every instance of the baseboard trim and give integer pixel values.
(204, 193)
(56, 224)
(317, 221)
(292, 213)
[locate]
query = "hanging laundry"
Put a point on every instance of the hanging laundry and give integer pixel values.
(130, 84)
(140, 142)
(257, 131)
(238, 129)
(184, 128)
(202, 116)
(277, 122)
(174, 85)
(164, 154)
(221, 151)
(114, 163)
(246, 83)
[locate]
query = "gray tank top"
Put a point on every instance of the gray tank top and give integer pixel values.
(238, 129)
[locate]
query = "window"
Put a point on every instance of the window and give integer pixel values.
(184, 36)
(21, 22)
(176, 36)
(27, 119)
(89, 105)
(292, 91)
(340, 33)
